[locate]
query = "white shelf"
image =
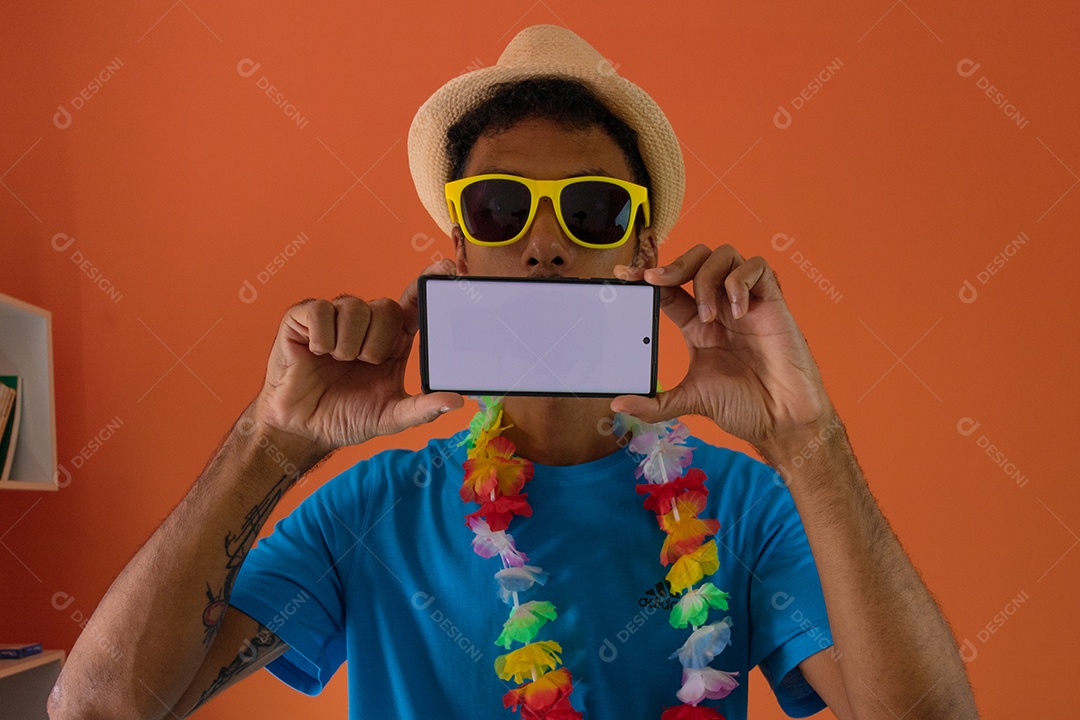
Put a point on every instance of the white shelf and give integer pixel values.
(26, 350)
(25, 685)
(11, 667)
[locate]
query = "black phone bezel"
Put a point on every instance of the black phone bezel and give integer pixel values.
(425, 385)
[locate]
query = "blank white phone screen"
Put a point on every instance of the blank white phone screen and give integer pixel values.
(539, 337)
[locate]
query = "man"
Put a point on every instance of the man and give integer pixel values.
(375, 566)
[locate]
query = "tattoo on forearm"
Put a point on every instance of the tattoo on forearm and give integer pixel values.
(236, 549)
(263, 643)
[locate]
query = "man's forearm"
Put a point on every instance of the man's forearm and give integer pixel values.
(153, 628)
(898, 657)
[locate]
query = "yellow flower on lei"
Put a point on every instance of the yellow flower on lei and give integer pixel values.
(537, 657)
(689, 569)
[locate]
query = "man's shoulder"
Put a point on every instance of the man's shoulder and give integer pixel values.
(371, 485)
(444, 448)
(744, 492)
(394, 465)
(728, 463)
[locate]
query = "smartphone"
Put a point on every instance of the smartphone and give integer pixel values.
(569, 337)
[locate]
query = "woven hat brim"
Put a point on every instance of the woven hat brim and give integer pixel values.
(430, 165)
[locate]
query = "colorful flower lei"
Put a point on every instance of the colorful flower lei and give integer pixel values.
(494, 477)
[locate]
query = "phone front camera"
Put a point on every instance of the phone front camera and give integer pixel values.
(645, 340)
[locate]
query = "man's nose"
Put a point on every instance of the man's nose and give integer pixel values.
(545, 243)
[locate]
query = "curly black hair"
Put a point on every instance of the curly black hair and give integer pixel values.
(568, 102)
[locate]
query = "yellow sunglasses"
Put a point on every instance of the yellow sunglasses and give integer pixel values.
(595, 211)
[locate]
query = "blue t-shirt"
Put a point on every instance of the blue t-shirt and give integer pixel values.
(377, 567)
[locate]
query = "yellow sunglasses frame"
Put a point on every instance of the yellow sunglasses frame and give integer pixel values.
(639, 198)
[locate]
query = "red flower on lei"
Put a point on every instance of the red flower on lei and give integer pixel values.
(501, 510)
(691, 712)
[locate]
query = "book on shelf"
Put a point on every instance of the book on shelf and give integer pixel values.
(11, 392)
(18, 650)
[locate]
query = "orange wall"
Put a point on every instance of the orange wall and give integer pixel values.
(899, 180)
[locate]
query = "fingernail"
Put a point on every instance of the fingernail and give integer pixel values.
(444, 409)
(704, 311)
(659, 270)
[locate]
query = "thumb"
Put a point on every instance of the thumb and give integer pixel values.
(662, 406)
(424, 408)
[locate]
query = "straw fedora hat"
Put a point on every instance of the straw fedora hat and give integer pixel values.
(547, 50)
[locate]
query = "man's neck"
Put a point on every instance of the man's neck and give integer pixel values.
(558, 430)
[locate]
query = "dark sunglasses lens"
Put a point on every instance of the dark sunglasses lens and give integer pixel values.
(596, 212)
(495, 210)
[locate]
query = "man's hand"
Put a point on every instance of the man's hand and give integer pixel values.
(336, 373)
(751, 370)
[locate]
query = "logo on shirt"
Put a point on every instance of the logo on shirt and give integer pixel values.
(658, 596)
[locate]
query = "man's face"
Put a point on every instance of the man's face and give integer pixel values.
(544, 150)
